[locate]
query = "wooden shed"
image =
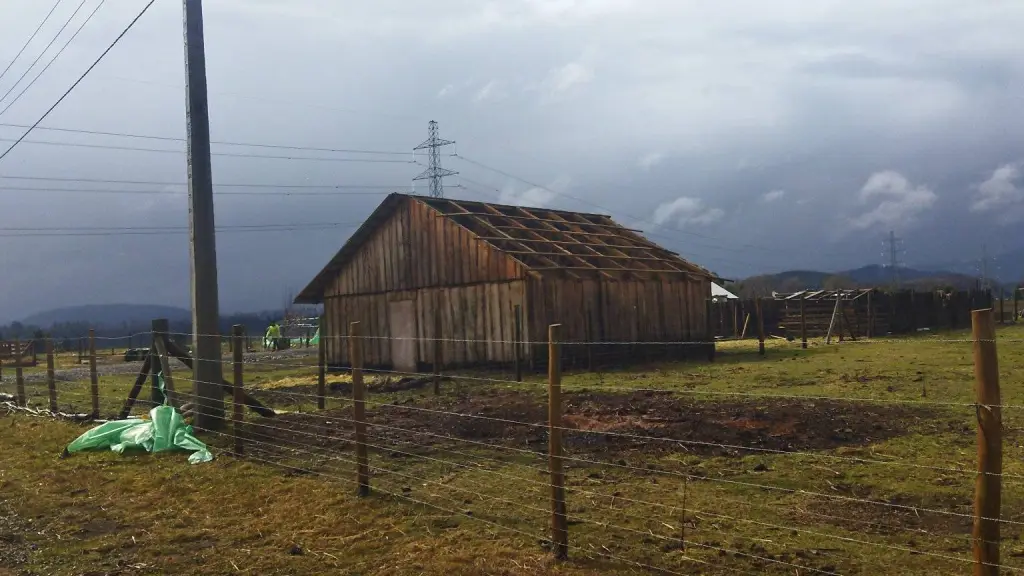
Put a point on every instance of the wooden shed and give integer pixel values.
(418, 262)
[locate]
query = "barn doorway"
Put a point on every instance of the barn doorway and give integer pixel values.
(402, 324)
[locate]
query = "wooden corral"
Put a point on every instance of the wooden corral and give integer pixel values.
(860, 313)
(420, 261)
(12, 355)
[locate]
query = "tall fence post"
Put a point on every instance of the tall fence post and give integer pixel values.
(438, 348)
(988, 483)
(1016, 294)
(1002, 307)
(559, 524)
(359, 408)
(94, 380)
(760, 325)
(803, 321)
(159, 329)
(517, 342)
(238, 338)
(51, 381)
(19, 375)
(321, 367)
(709, 309)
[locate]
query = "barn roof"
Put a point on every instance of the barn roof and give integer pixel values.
(544, 241)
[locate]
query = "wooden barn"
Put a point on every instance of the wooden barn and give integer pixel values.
(422, 270)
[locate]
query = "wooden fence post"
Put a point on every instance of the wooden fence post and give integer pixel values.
(988, 483)
(1002, 307)
(709, 311)
(803, 322)
(238, 337)
(517, 343)
(158, 327)
(760, 325)
(1016, 294)
(19, 375)
(321, 368)
(51, 381)
(94, 380)
(871, 316)
(438, 348)
(559, 524)
(359, 408)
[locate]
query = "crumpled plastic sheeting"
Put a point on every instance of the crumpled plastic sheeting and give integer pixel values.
(165, 430)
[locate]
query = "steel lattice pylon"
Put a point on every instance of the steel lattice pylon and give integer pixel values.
(434, 172)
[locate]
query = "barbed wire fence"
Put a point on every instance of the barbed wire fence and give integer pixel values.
(645, 476)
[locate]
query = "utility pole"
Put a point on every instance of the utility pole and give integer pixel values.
(434, 172)
(207, 373)
(894, 255)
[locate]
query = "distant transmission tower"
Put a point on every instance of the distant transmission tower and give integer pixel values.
(894, 251)
(435, 172)
(985, 280)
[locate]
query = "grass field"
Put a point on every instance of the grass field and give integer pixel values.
(851, 459)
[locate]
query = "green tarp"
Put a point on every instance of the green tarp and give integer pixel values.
(165, 430)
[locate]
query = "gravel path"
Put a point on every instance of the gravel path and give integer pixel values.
(79, 373)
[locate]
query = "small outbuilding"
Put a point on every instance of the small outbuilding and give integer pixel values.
(422, 271)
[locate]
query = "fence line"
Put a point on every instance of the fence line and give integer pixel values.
(985, 515)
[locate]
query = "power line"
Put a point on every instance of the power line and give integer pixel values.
(227, 154)
(54, 59)
(41, 54)
(123, 228)
(389, 190)
(181, 183)
(30, 39)
(164, 231)
(218, 142)
(80, 78)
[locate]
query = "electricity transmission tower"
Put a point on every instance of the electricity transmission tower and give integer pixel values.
(435, 172)
(894, 250)
(985, 273)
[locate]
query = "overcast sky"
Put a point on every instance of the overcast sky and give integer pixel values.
(748, 136)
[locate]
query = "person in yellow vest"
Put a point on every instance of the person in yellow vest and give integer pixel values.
(274, 336)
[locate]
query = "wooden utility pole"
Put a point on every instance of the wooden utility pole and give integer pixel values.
(203, 246)
(355, 341)
(238, 400)
(559, 523)
(94, 380)
(988, 484)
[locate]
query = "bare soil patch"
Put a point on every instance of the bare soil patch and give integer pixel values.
(607, 424)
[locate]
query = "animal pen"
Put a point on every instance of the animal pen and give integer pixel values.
(456, 283)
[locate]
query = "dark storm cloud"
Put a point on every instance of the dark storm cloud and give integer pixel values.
(678, 118)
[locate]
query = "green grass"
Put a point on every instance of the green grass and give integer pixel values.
(445, 506)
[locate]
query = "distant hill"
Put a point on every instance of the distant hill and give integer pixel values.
(864, 277)
(108, 315)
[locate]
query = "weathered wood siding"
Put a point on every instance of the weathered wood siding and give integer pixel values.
(673, 309)
(416, 248)
(477, 324)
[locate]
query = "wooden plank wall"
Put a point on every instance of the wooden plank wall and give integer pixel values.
(417, 247)
(667, 310)
(477, 324)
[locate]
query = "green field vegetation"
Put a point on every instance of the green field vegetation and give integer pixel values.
(849, 459)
